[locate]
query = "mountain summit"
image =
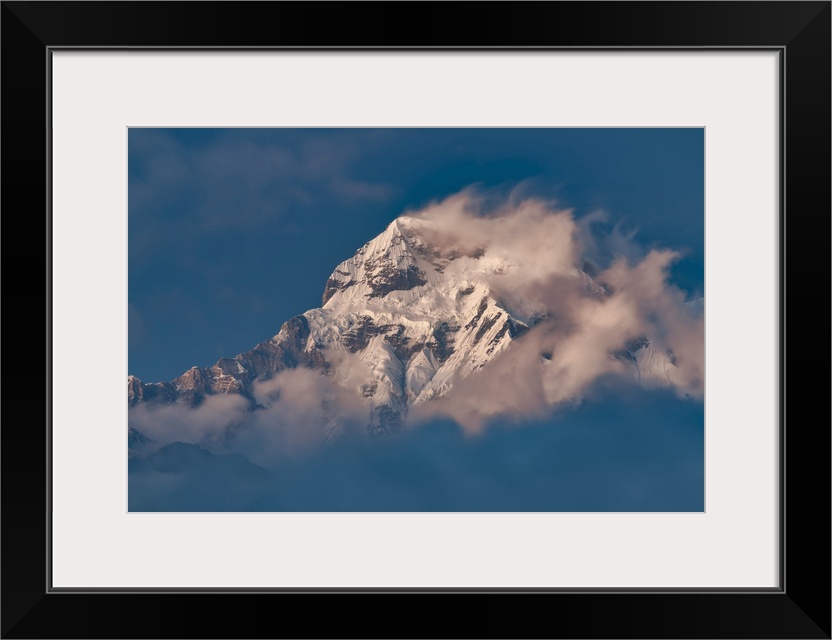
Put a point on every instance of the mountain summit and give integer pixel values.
(403, 322)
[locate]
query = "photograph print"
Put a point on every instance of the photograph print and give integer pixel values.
(416, 320)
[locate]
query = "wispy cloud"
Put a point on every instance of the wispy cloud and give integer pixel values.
(235, 183)
(295, 412)
(567, 352)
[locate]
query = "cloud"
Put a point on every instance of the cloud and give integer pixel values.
(297, 411)
(360, 190)
(535, 247)
(234, 173)
(210, 423)
(601, 239)
(531, 236)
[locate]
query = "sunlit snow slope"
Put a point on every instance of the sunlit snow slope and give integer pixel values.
(420, 318)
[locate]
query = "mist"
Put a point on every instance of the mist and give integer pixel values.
(634, 451)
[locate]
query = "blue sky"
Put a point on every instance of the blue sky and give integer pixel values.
(234, 231)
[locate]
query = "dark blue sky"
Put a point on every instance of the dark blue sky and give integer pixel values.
(233, 231)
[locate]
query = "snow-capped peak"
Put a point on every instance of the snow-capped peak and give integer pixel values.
(420, 315)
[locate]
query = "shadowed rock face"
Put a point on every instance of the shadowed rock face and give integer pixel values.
(443, 341)
(357, 337)
(631, 348)
(403, 345)
(480, 310)
(135, 391)
(333, 286)
(390, 279)
(138, 392)
(485, 326)
(385, 278)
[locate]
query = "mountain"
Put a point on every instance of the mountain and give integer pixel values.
(419, 314)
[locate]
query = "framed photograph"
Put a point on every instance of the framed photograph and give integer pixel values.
(482, 310)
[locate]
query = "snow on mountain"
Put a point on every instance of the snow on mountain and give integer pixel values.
(418, 316)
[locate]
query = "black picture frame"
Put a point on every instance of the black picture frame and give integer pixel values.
(799, 31)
